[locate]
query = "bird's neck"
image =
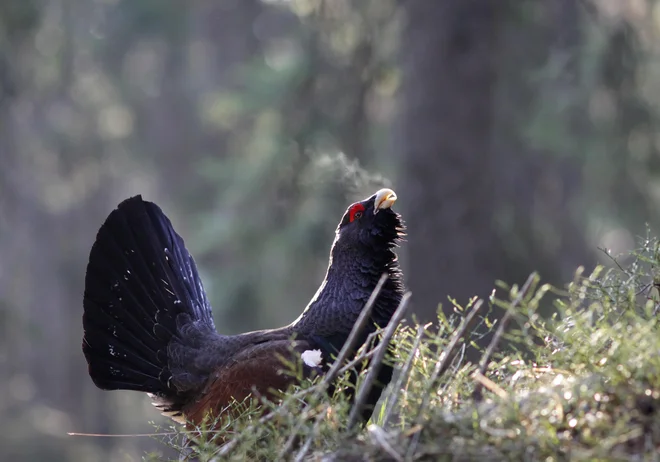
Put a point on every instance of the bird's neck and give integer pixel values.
(349, 282)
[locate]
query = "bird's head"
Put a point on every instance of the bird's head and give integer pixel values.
(369, 226)
(363, 250)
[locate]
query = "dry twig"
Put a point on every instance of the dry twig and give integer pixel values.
(394, 393)
(477, 394)
(376, 363)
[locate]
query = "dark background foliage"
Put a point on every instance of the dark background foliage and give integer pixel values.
(519, 135)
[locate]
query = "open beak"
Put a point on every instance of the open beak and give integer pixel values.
(385, 198)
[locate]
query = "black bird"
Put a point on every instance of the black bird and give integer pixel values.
(148, 325)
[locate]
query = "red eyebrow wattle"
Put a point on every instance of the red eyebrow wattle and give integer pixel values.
(355, 209)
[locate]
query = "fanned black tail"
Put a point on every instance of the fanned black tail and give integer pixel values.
(144, 307)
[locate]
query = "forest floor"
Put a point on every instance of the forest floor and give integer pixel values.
(582, 385)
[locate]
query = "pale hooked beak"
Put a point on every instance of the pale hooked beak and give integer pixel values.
(385, 198)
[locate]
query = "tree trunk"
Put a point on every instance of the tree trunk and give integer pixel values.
(484, 200)
(444, 135)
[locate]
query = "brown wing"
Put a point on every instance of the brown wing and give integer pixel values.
(257, 367)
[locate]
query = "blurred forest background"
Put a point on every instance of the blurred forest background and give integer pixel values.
(519, 135)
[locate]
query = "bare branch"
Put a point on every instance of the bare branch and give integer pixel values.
(446, 358)
(485, 359)
(377, 361)
(394, 393)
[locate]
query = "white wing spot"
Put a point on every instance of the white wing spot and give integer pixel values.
(312, 358)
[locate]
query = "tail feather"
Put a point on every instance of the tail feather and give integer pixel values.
(142, 296)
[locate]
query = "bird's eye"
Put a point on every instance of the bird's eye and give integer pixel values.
(356, 212)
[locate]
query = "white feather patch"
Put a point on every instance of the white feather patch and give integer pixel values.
(312, 357)
(163, 406)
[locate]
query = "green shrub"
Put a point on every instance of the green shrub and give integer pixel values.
(584, 384)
